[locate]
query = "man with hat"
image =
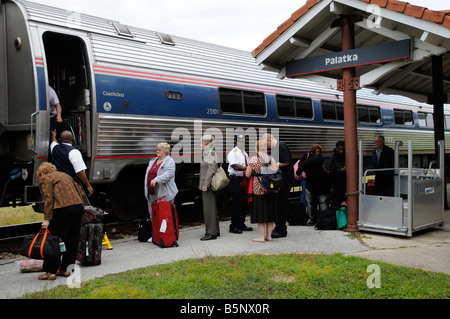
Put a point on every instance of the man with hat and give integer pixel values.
(237, 164)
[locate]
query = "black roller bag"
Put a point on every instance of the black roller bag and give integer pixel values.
(145, 229)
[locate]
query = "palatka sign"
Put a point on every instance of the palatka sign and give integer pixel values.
(399, 50)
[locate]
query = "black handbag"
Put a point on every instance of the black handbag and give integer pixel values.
(40, 246)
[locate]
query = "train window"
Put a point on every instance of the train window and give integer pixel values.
(425, 119)
(285, 106)
(403, 117)
(242, 102)
(122, 29)
(292, 106)
(369, 114)
(332, 110)
(254, 103)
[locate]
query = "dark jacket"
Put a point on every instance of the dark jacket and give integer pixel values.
(386, 161)
(317, 180)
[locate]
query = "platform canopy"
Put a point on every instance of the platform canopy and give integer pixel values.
(309, 32)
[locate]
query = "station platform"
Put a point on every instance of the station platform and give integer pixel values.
(428, 250)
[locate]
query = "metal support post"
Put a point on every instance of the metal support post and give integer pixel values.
(350, 85)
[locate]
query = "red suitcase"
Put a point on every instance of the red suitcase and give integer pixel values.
(164, 223)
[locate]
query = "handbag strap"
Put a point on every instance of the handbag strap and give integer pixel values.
(46, 232)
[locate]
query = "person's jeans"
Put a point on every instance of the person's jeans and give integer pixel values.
(312, 201)
(303, 194)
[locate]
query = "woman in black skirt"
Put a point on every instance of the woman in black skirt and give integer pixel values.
(264, 207)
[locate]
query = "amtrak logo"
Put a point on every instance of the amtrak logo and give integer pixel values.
(107, 106)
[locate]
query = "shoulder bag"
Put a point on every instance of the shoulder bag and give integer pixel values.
(219, 180)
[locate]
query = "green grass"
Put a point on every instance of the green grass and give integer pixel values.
(284, 276)
(19, 215)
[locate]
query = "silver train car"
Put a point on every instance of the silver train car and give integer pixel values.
(125, 89)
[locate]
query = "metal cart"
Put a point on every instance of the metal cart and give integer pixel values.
(418, 201)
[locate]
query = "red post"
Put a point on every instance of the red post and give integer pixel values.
(349, 85)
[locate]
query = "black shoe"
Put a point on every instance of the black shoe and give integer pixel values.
(276, 234)
(235, 230)
(311, 223)
(208, 237)
(246, 228)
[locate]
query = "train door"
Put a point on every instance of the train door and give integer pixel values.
(68, 73)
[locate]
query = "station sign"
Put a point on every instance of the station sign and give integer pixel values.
(399, 50)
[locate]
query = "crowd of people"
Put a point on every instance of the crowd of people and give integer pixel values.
(66, 188)
(323, 182)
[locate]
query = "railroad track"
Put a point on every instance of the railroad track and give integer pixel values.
(11, 237)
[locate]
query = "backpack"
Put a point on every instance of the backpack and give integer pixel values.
(270, 180)
(326, 220)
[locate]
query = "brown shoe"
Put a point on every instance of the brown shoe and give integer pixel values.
(62, 273)
(47, 276)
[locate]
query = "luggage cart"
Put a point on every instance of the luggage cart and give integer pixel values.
(418, 201)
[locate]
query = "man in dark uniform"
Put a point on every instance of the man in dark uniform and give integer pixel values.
(69, 160)
(383, 157)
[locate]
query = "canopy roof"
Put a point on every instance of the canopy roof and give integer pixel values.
(308, 33)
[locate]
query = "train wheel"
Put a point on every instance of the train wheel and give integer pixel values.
(126, 195)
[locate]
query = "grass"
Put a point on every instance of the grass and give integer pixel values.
(281, 276)
(19, 215)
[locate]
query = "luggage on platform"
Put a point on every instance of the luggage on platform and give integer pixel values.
(92, 215)
(297, 213)
(326, 219)
(341, 217)
(164, 223)
(31, 265)
(91, 237)
(145, 229)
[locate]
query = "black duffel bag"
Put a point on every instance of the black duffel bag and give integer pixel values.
(40, 246)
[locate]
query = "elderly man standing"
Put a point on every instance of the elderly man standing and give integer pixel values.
(237, 164)
(383, 157)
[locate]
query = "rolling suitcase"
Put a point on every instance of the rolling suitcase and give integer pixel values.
(164, 223)
(91, 237)
(90, 244)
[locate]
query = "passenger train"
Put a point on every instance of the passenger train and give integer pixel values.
(125, 89)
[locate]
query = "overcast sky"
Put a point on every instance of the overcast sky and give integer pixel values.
(241, 24)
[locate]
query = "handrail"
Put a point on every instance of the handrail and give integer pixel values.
(33, 144)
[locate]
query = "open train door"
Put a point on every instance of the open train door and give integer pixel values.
(69, 74)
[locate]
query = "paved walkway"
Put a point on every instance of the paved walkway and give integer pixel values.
(429, 250)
